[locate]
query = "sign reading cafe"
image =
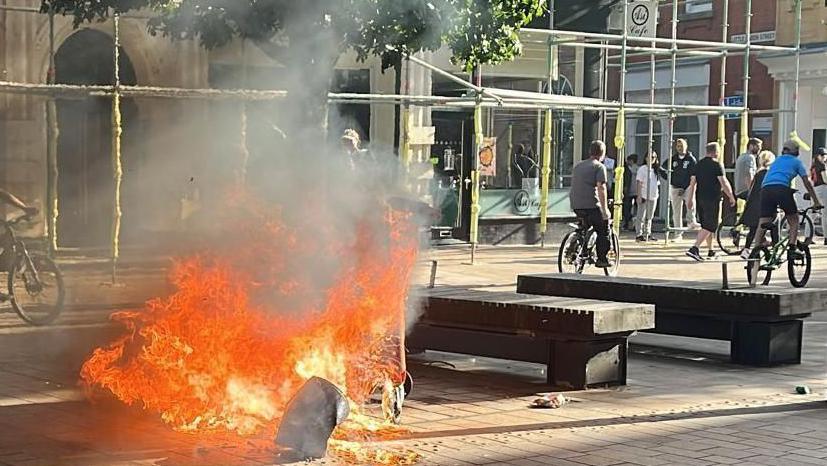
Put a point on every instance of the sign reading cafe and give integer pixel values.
(642, 20)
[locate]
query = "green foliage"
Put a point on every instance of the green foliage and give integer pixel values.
(477, 31)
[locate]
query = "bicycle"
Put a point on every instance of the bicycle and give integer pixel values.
(767, 259)
(731, 234)
(30, 277)
(578, 250)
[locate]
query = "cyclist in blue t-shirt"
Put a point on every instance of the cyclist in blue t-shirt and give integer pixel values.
(776, 191)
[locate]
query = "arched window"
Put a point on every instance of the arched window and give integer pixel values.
(689, 128)
(642, 137)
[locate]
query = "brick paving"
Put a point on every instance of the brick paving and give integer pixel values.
(684, 403)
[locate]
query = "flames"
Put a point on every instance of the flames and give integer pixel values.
(256, 316)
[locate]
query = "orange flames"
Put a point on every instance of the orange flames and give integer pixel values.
(256, 317)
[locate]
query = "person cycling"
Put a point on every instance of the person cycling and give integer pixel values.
(776, 192)
(589, 199)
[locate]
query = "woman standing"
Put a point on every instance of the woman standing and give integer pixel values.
(818, 175)
(752, 211)
(648, 189)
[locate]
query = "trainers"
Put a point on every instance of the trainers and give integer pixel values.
(694, 226)
(796, 252)
(602, 263)
(651, 238)
(745, 253)
(694, 253)
(712, 255)
(640, 239)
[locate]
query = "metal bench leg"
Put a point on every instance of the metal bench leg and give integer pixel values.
(577, 365)
(766, 343)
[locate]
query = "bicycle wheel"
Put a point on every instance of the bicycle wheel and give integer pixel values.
(568, 258)
(36, 294)
(806, 230)
(613, 256)
(798, 269)
(758, 266)
(731, 235)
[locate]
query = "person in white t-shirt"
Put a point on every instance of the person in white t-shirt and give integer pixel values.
(648, 190)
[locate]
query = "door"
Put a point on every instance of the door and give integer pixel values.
(452, 171)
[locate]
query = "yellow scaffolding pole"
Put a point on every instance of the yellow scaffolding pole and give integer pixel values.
(546, 171)
(117, 166)
(475, 182)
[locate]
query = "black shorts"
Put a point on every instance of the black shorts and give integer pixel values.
(709, 213)
(775, 196)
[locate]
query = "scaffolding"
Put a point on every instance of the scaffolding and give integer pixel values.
(476, 99)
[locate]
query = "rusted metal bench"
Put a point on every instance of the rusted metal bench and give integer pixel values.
(764, 325)
(582, 342)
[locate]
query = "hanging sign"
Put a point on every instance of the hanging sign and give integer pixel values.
(487, 158)
(642, 19)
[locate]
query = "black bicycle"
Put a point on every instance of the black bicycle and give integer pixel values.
(732, 234)
(764, 260)
(35, 284)
(579, 250)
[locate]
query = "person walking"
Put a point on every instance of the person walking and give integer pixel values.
(589, 200)
(818, 175)
(705, 186)
(648, 190)
(745, 169)
(683, 163)
(629, 192)
(752, 210)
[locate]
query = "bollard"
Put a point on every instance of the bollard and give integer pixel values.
(724, 276)
(432, 282)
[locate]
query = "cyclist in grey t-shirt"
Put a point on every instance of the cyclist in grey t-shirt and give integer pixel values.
(589, 199)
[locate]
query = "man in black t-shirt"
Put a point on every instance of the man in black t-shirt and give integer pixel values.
(682, 164)
(706, 184)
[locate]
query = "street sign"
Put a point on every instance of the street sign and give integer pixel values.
(754, 38)
(733, 101)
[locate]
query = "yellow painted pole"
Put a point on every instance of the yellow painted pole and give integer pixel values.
(475, 181)
(52, 134)
(117, 166)
(744, 132)
(620, 144)
(546, 171)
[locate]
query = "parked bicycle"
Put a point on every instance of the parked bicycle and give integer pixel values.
(732, 234)
(35, 284)
(764, 260)
(579, 250)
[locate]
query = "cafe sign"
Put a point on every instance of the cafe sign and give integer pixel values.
(642, 18)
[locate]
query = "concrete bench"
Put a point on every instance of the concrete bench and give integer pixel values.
(764, 325)
(582, 342)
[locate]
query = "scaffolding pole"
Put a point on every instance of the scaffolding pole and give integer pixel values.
(117, 165)
(545, 171)
(650, 159)
(797, 66)
(658, 40)
(475, 172)
(620, 125)
(52, 133)
(745, 114)
(723, 83)
(672, 140)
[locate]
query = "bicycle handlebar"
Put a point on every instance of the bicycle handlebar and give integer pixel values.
(16, 220)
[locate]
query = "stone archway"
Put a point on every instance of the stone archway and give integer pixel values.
(85, 184)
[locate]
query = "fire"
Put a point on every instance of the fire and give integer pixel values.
(250, 323)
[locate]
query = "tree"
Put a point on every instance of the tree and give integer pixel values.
(308, 36)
